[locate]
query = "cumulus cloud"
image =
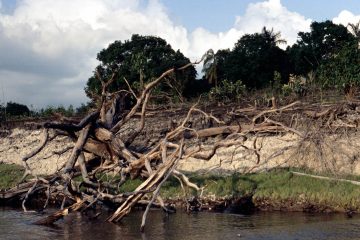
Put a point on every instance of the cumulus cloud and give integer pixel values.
(273, 14)
(345, 17)
(49, 47)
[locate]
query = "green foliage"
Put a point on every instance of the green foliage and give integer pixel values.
(227, 91)
(139, 60)
(282, 186)
(254, 59)
(18, 111)
(277, 77)
(276, 186)
(230, 186)
(276, 84)
(324, 41)
(51, 110)
(298, 86)
(286, 90)
(342, 70)
(130, 185)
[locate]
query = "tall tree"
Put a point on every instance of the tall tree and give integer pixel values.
(342, 71)
(138, 60)
(254, 59)
(323, 41)
(271, 37)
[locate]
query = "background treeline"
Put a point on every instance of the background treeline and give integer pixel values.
(327, 58)
(12, 110)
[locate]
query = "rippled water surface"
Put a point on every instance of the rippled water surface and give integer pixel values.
(14, 224)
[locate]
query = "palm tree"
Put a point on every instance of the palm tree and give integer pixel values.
(272, 37)
(210, 67)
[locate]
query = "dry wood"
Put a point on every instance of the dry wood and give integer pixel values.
(153, 180)
(77, 149)
(275, 110)
(49, 220)
(157, 190)
(235, 129)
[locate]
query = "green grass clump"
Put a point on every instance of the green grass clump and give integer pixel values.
(277, 186)
(130, 185)
(10, 175)
(282, 186)
(226, 186)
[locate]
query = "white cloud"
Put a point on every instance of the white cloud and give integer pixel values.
(53, 44)
(272, 14)
(345, 17)
(49, 47)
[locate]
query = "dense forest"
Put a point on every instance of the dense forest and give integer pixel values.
(325, 58)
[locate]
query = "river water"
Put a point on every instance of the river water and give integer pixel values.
(14, 224)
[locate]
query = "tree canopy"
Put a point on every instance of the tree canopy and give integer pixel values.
(342, 71)
(139, 60)
(17, 109)
(254, 59)
(313, 48)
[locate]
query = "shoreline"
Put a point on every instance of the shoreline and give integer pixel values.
(276, 190)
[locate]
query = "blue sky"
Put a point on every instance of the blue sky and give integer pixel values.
(219, 15)
(48, 47)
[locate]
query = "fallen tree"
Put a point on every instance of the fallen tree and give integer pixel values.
(104, 144)
(98, 136)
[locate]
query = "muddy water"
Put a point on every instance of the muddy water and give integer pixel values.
(15, 224)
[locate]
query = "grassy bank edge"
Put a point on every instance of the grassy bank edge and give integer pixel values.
(275, 190)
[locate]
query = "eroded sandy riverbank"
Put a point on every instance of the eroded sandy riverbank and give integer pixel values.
(337, 153)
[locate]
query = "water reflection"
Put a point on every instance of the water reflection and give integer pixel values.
(16, 225)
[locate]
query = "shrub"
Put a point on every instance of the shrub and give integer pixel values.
(227, 91)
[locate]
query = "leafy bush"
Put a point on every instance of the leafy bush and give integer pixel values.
(286, 90)
(297, 86)
(227, 91)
